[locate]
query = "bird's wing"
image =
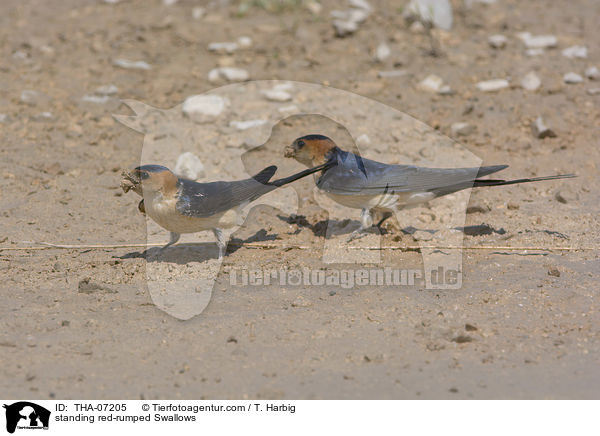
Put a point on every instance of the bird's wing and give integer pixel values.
(202, 200)
(356, 175)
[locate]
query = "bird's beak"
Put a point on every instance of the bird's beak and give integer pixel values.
(289, 151)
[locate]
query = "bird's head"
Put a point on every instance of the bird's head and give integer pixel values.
(311, 150)
(150, 179)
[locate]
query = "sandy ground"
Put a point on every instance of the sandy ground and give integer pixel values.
(82, 323)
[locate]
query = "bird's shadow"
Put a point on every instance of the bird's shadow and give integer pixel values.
(195, 252)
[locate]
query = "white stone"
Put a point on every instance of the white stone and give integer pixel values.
(229, 74)
(531, 81)
(244, 41)
(534, 51)
(593, 91)
(356, 16)
(392, 73)
(461, 129)
(492, 85)
(3, 118)
(436, 12)
(431, 83)
(572, 78)
(169, 2)
(498, 41)
(198, 12)
(576, 51)
(276, 95)
(592, 73)
(244, 125)
(313, 6)
(540, 130)
(107, 90)
(538, 41)
(131, 65)
(286, 86)
(363, 140)
(189, 166)
(382, 52)
(360, 4)
(344, 28)
(30, 97)
(288, 110)
(223, 47)
(204, 105)
(96, 99)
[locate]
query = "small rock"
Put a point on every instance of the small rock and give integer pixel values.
(288, 110)
(576, 51)
(461, 129)
(592, 73)
(229, 74)
(3, 118)
(422, 235)
(199, 106)
(244, 125)
(553, 271)
(572, 78)
(344, 28)
(107, 90)
(244, 41)
(198, 12)
(436, 12)
(332, 293)
(276, 95)
(531, 81)
(417, 27)
(392, 73)
(65, 323)
(30, 97)
(477, 209)
(44, 116)
(382, 52)
(96, 99)
(313, 6)
(232, 340)
(540, 130)
(86, 286)
(301, 302)
(560, 198)
(431, 83)
(498, 41)
(593, 91)
(131, 65)
(361, 4)
(539, 41)
(534, 51)
(511, 205)
(462, 339)
(470, 327)
(223, 47)
(363, 140)
(189, 166)
(492, 85)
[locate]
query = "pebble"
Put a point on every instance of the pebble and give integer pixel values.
(431, 83)
(344, 28)
(538, 41)
(392, 73)
(314, 7)
(189, 166)
(361, 4)
(576, 51)
(492, 85)
(44, 116)
(301, 302)
(534, 51)
(204, 105)
(244, 41)
(3, 118)
(592, 73)
(131, 65)
(382, 52)
(572, 78)
(422, 235)
(531, 81)
(96, 99)
(461, 129)
(553, 271)
(223, 47)
(498, 41)
(30, 97)
(198, 12)
(436, 12)
(288, 110)
(244, 125)
(560, 198)
(363, 140)
(540, 130)
(276, 95)
(346, 22)
(229, 74)
(511, 205)
(593, 91)
(107, 90)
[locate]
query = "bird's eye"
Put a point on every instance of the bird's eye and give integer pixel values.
(144, 175)
(300, 144)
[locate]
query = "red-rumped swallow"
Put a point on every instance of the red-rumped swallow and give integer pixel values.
(185, 206)
(373, 186)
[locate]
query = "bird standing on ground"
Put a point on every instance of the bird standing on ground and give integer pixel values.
(185, 206)
(378, 187)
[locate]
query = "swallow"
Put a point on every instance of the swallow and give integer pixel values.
(184, 206)
(373, 186)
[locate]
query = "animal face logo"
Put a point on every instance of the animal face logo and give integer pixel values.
(26, 415)
(234, 132)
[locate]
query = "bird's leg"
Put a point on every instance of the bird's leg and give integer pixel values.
(366, 221)
(174, 238)
(384, 217)
(221, 243)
